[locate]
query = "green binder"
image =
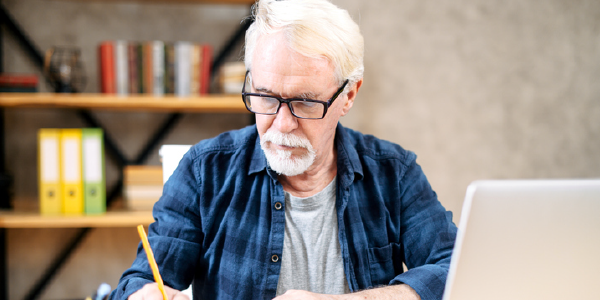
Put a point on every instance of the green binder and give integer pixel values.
(94, 182)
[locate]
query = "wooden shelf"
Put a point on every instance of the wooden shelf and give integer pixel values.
(10, 219)
(216, 103)
(248, 2)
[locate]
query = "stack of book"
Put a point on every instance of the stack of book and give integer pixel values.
(18, 83)
(231, 77)
(154, 67)
(71, 171)
(142, 186)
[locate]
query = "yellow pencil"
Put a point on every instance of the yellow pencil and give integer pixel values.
(151, 261)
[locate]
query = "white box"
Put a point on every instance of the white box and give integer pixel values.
(170, 156)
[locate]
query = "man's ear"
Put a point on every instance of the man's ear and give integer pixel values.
(351, 96)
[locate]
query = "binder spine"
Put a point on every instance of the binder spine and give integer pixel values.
(49, 171)
(72, 187)
(94, 183)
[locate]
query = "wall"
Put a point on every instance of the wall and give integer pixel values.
(483, 89)
(478, 89)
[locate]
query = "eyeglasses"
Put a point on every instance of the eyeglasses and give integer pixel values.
(300, 108)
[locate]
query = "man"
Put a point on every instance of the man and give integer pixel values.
(297, 206)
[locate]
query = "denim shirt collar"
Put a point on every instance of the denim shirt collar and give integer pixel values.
(349, 166)
(258, 162)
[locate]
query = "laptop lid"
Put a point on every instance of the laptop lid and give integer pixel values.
(527, 239)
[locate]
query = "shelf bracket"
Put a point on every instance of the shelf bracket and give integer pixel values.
(34, 53)
(11, 25)
(39, 287)
(237, 36)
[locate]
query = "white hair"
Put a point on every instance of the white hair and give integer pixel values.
(313, 28)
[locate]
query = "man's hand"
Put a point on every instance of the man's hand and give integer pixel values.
(150, 291)
(399, 292)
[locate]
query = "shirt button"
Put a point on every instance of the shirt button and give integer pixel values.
(278, 205)
(274, 258)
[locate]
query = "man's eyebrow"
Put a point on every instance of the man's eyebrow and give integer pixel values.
(309, 95)
(306, 95)
(263, 90)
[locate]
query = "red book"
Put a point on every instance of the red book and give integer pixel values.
(107, 68)
(206, 64)
(19, 80)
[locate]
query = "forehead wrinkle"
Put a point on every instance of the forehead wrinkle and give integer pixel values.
(289, 73)
(303, 95)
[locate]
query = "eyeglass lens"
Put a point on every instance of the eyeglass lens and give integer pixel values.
(270, 105)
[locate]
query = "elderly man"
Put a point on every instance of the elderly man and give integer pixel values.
(297, 206)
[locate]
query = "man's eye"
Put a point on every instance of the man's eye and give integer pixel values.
(307, 108)
(305, 104)
(270, 102)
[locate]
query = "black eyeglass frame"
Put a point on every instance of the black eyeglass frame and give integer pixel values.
(289, 101)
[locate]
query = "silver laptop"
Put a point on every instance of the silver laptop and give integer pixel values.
(528, 239)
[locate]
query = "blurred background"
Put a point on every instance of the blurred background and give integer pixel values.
(477, 89)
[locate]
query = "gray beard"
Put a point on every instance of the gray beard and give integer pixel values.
(283, 163)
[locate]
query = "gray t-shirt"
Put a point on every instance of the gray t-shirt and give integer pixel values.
(312, 258)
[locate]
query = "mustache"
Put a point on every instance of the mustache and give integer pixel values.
(285, 139)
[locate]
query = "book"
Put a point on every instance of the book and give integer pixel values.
(140, 67)
(94, 187)
(195, 60)
(70, 171)
(169, 69)
(148, 67)
(182, 68)
(142, 186)
(18, 90)
(142, 175)
(231, 77)
(19, 81)
(206, 68)
(121, 67)
(132, 61)
(158, 68)
(107, 67)
(49, 188)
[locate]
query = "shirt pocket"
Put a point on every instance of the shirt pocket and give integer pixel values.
(385, 263)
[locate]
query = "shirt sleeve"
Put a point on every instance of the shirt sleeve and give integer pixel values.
(175, 236)
(427, 234)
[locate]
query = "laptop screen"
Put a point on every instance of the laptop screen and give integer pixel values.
(527, 239)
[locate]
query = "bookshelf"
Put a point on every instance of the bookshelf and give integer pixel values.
(83, 104)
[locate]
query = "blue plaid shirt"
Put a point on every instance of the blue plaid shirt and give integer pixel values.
(221, 219)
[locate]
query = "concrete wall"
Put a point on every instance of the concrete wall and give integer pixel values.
(478, 89)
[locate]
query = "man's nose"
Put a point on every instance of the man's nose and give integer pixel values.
(284, 120)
